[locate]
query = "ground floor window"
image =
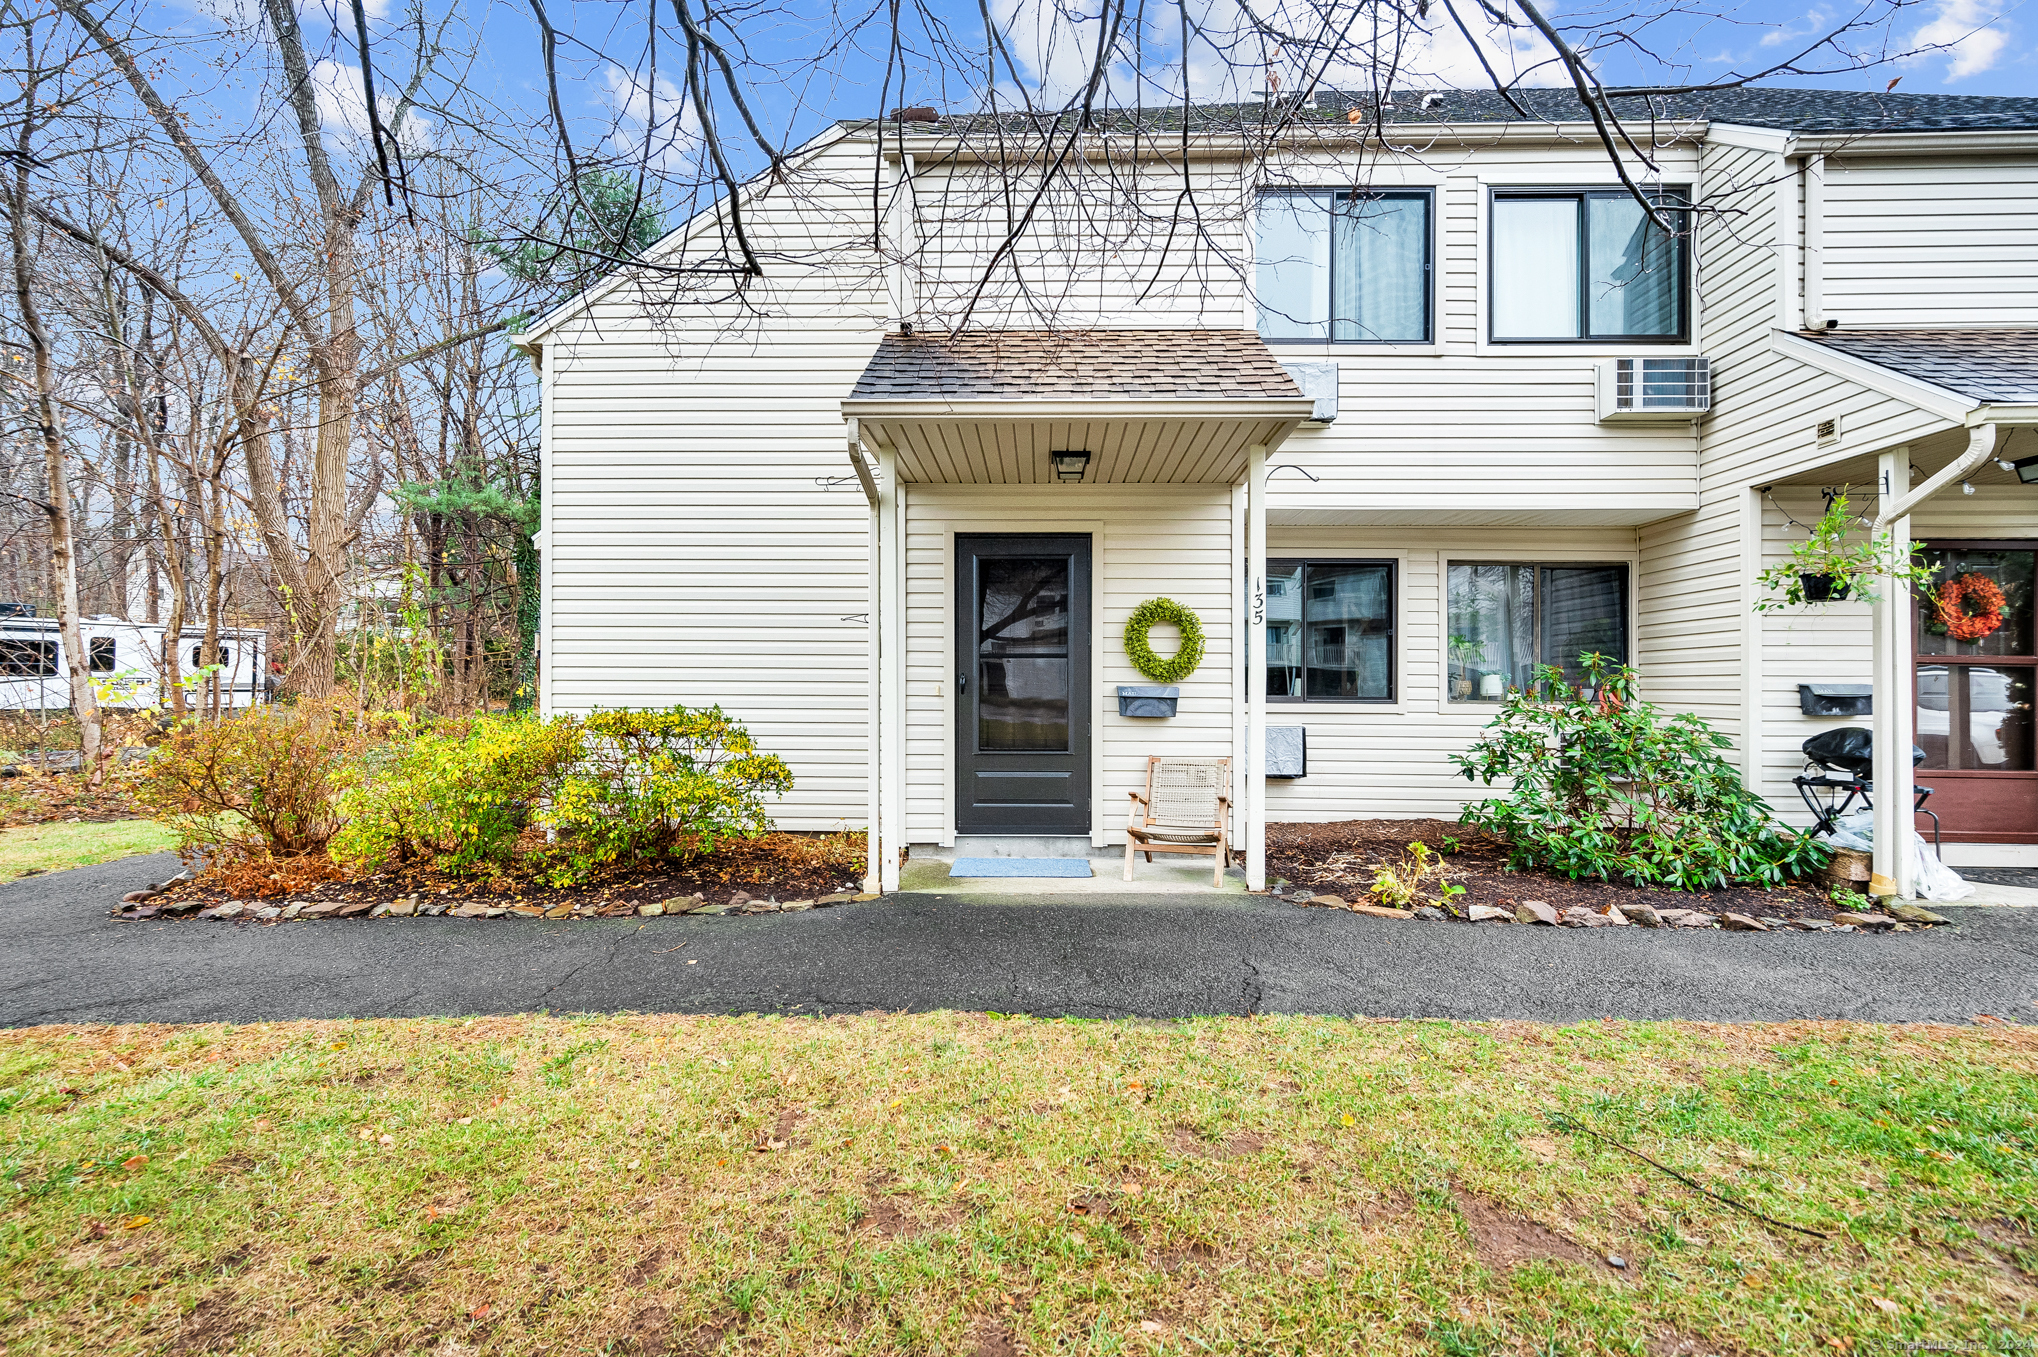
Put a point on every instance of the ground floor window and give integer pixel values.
(1330, 631)
(1505, 619)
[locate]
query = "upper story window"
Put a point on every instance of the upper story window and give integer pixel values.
(1345, 267)
(1574, 265)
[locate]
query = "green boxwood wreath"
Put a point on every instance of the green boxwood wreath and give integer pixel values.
(1177, 666)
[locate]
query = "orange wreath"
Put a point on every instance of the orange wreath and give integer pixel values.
(1971, 606)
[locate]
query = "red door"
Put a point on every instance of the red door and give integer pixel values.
(1976, 684)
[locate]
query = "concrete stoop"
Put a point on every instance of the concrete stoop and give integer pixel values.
(927, 870)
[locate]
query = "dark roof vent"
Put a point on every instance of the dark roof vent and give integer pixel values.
(916, 115)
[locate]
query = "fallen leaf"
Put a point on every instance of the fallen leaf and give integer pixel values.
(262, 1124)
(136, 1222)
(480, 1311)
(1349, 1120)
(132, 1164)
(389, 1140)
(944, 1149)
(1888, 1307)
(466, 1121)
(1152, 1326)
(138, 1298)
(894, 1103)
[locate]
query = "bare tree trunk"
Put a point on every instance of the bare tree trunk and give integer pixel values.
(63, 546)
(215, 548)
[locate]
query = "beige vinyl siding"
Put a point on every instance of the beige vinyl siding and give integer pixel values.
(694, 555)
(1393, 760)
(1931, 241)
(1145, 541)
(1462, 428)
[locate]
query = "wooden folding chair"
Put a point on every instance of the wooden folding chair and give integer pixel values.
(1185, 808)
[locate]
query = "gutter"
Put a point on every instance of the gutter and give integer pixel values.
(1229, 407)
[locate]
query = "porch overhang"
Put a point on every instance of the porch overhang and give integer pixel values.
(1160, 407)
(1130, 442)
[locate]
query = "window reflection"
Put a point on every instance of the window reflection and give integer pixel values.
(1975, 716)
(1023, 654)
(1330, 630)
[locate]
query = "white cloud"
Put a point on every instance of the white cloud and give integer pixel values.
(655, 122)
(1970, 34)
(343, 108)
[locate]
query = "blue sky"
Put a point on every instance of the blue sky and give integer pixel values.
(797, 87)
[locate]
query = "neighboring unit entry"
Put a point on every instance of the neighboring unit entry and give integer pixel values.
(1654, 388)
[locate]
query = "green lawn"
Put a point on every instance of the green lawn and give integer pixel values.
(53, 847)
(955, 1183)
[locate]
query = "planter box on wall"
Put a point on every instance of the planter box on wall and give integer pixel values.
(1147, 699)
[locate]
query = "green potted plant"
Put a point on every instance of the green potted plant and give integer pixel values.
(1827, 568)
(1465, 652)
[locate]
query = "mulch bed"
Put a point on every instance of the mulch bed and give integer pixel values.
(34, 798)
(1340, 859)
(748, 877)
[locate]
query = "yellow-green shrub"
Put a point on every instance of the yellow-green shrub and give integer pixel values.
(655, 782)
(458, 794)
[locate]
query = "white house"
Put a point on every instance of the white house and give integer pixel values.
(1397, 411)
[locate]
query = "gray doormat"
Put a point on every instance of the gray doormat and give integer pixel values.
(2000, 876)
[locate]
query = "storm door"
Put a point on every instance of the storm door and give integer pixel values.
(1022, 684)
(1977, 674)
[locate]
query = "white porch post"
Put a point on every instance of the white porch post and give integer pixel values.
(1256, 669)
(892, 671)
(874, 685)
(1893, 781)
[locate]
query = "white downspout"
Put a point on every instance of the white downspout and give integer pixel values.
(1814, 242)
(1256, 669)
(1895, 779)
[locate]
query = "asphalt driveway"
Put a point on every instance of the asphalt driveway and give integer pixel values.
(1116, 956)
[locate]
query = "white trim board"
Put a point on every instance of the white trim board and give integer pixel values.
(1990, 854)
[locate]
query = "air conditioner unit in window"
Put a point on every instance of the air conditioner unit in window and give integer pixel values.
(1654, 388)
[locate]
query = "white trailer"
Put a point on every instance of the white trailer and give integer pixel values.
(126, 661)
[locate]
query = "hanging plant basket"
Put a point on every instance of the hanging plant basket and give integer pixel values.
(1824, 588)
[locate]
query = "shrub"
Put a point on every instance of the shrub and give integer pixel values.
(655, 782)
(258, 783)
(1422, 877)
(1605, 785)
(458, 794)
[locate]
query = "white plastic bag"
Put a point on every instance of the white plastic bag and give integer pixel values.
(1855, 831)
(1931, 878)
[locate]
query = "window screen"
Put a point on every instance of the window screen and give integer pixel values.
(1349, 267)
(1579, 264)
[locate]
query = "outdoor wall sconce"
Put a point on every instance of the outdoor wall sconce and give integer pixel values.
(1070, 466)
(2026, 469)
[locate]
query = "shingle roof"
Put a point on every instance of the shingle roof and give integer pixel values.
(1797, 110)
(1997, 366)
(1075, 365)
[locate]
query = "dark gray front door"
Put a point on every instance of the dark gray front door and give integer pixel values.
(1022, 717)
